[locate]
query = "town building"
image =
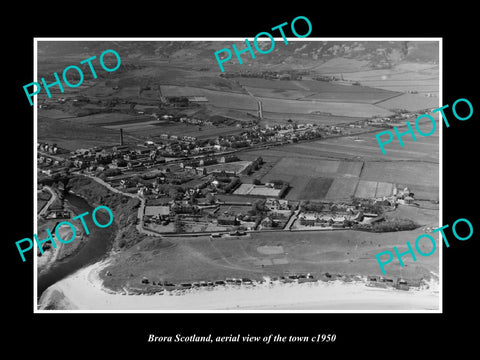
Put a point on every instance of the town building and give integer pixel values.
(227, 220)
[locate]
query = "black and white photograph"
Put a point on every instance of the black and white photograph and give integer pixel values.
(253, 186)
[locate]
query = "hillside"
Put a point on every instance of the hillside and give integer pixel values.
(376, 54)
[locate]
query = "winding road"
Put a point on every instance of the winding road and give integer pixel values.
(50, 202)
(141, 208)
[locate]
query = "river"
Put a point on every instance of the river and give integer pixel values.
(95, 248)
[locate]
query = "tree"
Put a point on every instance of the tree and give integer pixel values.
(179, 224)
(193, 198)
(210, 198)
(259, 206)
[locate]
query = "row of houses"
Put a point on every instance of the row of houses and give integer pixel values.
(336, 221)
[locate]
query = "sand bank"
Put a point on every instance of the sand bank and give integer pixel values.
(83, 290)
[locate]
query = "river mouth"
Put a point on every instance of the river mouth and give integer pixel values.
(97, 246)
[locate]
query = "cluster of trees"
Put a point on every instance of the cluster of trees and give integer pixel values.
(394, 225)
(229, 186)
(258, 208)
(313, 206)
(388, 225)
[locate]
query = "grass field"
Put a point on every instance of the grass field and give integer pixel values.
(350, 168)
(222, 99)
(60, 132)
(133, 127)
(266, 254)
(297, 166)
(384, 189)
(334, 108)
(366, 189)
(425, 174)
(410, 102)
(357, 93)
(298, 183)
(316, 188)
(342, 188)
(313, 178)
(279, 93)
(424, 149)
(270, 84)
(342, 65)
(402, 77)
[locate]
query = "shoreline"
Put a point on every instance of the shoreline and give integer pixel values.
(61, 253)
(84, 291)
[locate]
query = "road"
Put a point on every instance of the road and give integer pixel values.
(50, 202)
(291, 220)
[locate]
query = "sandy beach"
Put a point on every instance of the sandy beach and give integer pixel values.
(83, 292)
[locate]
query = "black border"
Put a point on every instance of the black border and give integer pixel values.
(369, 332)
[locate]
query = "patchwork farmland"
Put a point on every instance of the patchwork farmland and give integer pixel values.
(360, 175)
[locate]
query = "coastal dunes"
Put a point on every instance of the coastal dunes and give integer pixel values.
(179, 260)
(83, 291)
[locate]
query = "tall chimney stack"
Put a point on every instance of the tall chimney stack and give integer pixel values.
(121, 137)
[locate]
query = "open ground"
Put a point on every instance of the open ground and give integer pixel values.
(266, 254)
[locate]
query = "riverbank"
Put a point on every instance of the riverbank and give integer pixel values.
(81, 251)
(83, 291)
(62, 251)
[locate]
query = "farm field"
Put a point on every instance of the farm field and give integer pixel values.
(423, 78)
(334, 108)
(384, 189)
(298, 184)
(279, 93)
(366, 189)
(316, 188)
(423, 174)
(366, 147)
(332, 90)
(410, 102)
(341, 65)
(141, 125)
(270, 84)
(53, 114)
(375, 176)
(297, 166)
(59, 131)
(286, 168)
(352, 97)
(220, 99)
(246, 102)
(342, 188)
(316, 178)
